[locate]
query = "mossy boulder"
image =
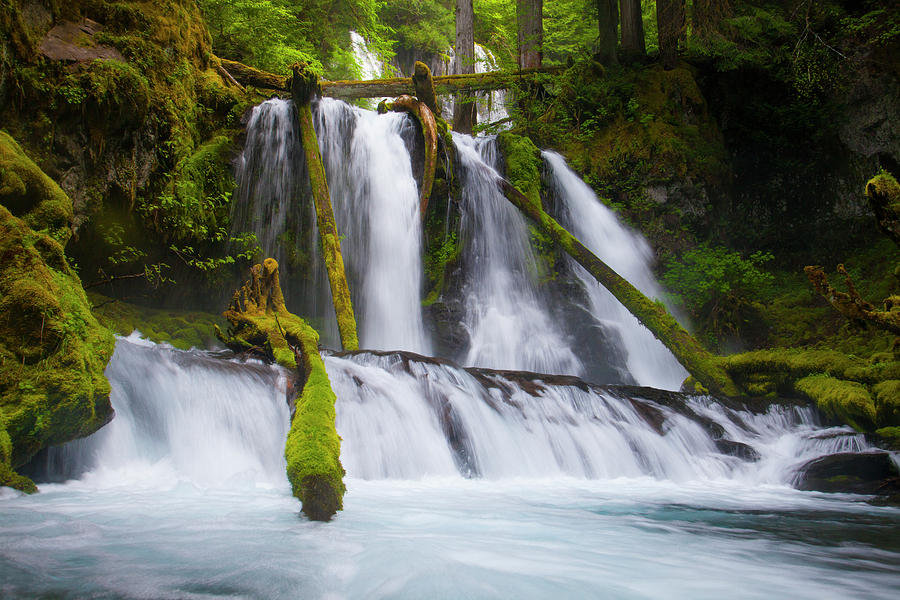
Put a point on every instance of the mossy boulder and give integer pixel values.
(848, 401)
(522, 161)
(261, 324)
(52, 350)
(29, 194)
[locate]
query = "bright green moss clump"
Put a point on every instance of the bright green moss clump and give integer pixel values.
(845, 400)
(29, 194)
(523, 164)
(260, 323)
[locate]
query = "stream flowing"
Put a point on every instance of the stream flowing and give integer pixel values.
(461, 483)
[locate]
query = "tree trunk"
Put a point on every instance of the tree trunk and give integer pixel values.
(608, 22)
(707, 15)
(699, 362)
(464, 114)
(530, 25)
(670, 22)
(632, 29)
(303, 84)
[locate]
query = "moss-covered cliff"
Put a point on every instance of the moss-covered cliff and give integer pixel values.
(52, 350)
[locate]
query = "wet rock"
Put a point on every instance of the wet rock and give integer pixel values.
(737, 449)
(851, 472)
(74, 42)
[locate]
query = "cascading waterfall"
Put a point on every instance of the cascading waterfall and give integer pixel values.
(376, 204)
(507, 319)
(627, 253)
(183, 416)
(405, 417)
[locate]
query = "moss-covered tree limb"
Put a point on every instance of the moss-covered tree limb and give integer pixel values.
(428, 125)
(250, 76)
(303, 86)
(852, 305)
(261, 323)
(701, 364)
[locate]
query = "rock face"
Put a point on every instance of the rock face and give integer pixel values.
(855, 473)
(52, 350)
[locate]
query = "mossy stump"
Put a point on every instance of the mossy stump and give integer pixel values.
(261, 325)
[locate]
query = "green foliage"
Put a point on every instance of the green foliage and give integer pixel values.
(715, 286)
(426, 26)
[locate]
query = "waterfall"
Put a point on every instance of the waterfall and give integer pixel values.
(508, 320)
(376, 205)
(403, 416)
(182, 416)
(596, 226)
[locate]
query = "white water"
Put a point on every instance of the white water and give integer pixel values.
(508, 322)
(187, 498)
(376, 205)
(629, 255)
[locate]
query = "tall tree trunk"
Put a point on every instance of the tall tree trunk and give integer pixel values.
(670, 22)
(464, 114)
(632, 28)
(608, 21)
(707, 16)
(530, 22)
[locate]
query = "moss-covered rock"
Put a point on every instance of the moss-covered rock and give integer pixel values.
(522, 161)
(887, 402)
(182, 329)
(52, 350)
(29, 194)
(261, 323)
(883, 193)
(848, 401)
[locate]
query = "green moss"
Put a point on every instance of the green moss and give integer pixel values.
(883, 193)
(887, 402)
(52, 350)
(260, 321)
(440, 254)
(848, 401)
(30, 195)
(522, 160)
(181, 329)
(889, 437)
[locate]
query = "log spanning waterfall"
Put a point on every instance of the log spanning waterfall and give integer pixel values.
(462, 482)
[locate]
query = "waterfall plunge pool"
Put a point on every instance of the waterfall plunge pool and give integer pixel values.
(448, 538)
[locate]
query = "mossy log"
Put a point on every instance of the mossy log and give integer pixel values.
(883, 193)
(303, 85)
(443, 84)
(427, 122)
(394, 86)
(701, 364)
(852, 305)
(254, 77)
(260, 323)
(424, 86)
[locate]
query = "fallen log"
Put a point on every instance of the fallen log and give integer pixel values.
(392, 87)
(303, 87)
(700, 363)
